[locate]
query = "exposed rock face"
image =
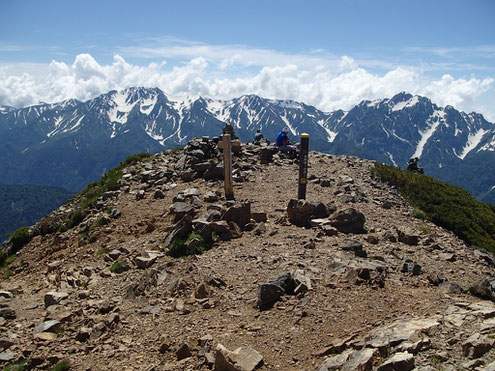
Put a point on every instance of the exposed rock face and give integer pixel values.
(345, 292)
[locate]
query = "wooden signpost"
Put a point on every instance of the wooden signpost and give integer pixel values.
(303, 167)
(227, 165)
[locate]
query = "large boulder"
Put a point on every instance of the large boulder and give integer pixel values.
(181, 229)
(239, 214)
(301, 212)
(181, 209)
(408, 236)
(348, 221)
(484, 288)
(214, 172)
(244, 358)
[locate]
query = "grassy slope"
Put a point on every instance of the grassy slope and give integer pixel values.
(448, 206)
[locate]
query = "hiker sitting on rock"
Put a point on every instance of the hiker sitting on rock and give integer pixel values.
(260, 138)
(283, 142)
(412, 165)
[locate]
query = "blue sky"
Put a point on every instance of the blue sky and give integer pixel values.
(331, 54)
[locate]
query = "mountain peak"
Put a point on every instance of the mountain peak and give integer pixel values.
(401, 97)
(363, 277)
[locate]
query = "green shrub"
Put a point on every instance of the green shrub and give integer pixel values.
(19, 238)
(101, 252)
(75, 218)
(419, 214)
(448, 206)
(180, 247)
(3, 258)
(423, 229)
(102, 221)
(63, 365)
(15, 367)
(134, 159)
(119, 267)
(109, 181)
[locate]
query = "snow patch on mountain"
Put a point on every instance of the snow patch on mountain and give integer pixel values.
(183, 102)
(121, 108)
(288, 104)
(385, 130)
(398, 137)
(58, 127)
(436, 119)
(288, 124)
(330, 133)
(218, 109)
(150, 130)
(391, 157)
(374, 103)
(490, 146)
(472, 143)
(75, 126)
(147, 105)
(58, 121)
(404, 104)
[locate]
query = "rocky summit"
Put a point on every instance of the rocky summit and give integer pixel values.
(347, 279)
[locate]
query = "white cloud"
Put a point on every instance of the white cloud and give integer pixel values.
(328, 85)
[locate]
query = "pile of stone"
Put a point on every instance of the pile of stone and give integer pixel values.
(306, 214)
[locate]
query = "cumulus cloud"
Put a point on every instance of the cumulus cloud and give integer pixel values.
(336, 84)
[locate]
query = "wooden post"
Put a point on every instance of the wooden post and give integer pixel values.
(303, 166)
(227, 165)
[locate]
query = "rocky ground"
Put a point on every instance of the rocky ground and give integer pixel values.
(347, 280)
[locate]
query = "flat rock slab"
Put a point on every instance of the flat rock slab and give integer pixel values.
(398, 362)
(398, 332)
(45, 326)
(7, 356)
(244, 358)
(361, 360)
(52, 298)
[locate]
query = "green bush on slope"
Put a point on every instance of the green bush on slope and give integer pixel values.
(448, 206)
(109, 181)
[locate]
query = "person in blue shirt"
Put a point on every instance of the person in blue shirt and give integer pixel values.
(283, 142)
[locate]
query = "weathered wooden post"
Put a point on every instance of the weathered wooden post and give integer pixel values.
(303, 166)
(227, 165)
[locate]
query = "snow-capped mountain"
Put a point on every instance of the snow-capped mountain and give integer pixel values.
(71, 143)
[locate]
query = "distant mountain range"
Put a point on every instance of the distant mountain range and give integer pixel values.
(72, 143)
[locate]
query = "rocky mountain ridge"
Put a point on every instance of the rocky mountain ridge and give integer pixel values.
(347, 280)
(72, 143)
